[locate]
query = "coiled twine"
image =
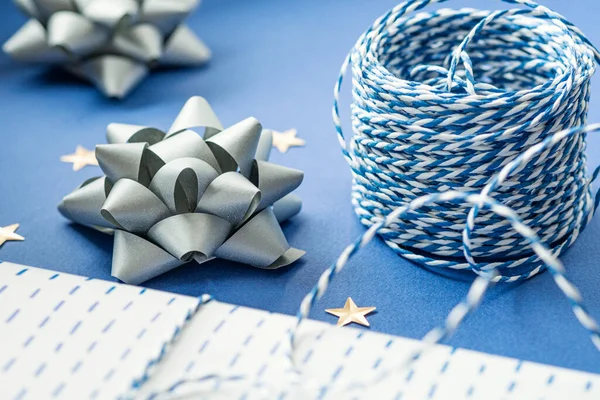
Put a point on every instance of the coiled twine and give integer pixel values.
(443, 101)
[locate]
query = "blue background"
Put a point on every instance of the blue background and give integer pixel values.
(277, 61)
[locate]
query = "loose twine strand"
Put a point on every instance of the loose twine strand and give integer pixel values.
(441, 102)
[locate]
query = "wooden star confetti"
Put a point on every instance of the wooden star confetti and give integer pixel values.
(8, 234)
(350, 313)
(284, 140)
(81, 158)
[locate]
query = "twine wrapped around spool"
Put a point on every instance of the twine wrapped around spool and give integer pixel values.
(443, 101)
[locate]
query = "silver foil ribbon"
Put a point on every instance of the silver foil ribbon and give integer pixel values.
(111, 43)
(177, 196)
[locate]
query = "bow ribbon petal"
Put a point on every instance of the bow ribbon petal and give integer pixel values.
(173, 198)
(112, 43)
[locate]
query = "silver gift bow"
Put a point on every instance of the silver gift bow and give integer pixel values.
(112, 43)
(174, 197)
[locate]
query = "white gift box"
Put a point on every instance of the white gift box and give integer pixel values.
(69, 337)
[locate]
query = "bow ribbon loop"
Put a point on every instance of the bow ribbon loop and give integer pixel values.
(166, 15)
(44, 9)
(110, 14)
(75, 34)
(196, 113)
(124, 160)
(181, 183)
(258, 243)
(231, 197)
(136, 260)
(176, 198)
(185, 144)
(125, 133)
(123, 207)
(142, 42)
(274, 181)
(236, 146)
(190, 236)
(85, 203)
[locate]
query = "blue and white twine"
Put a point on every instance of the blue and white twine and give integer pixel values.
(430, 137)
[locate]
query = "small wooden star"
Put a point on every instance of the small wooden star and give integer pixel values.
(350, 313)
(8, 233)
(284, 140)
(81, 158)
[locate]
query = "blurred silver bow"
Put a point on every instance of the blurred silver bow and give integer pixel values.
(112, 43)
(174, 197)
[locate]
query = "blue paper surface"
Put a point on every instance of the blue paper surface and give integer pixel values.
(277, 61)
